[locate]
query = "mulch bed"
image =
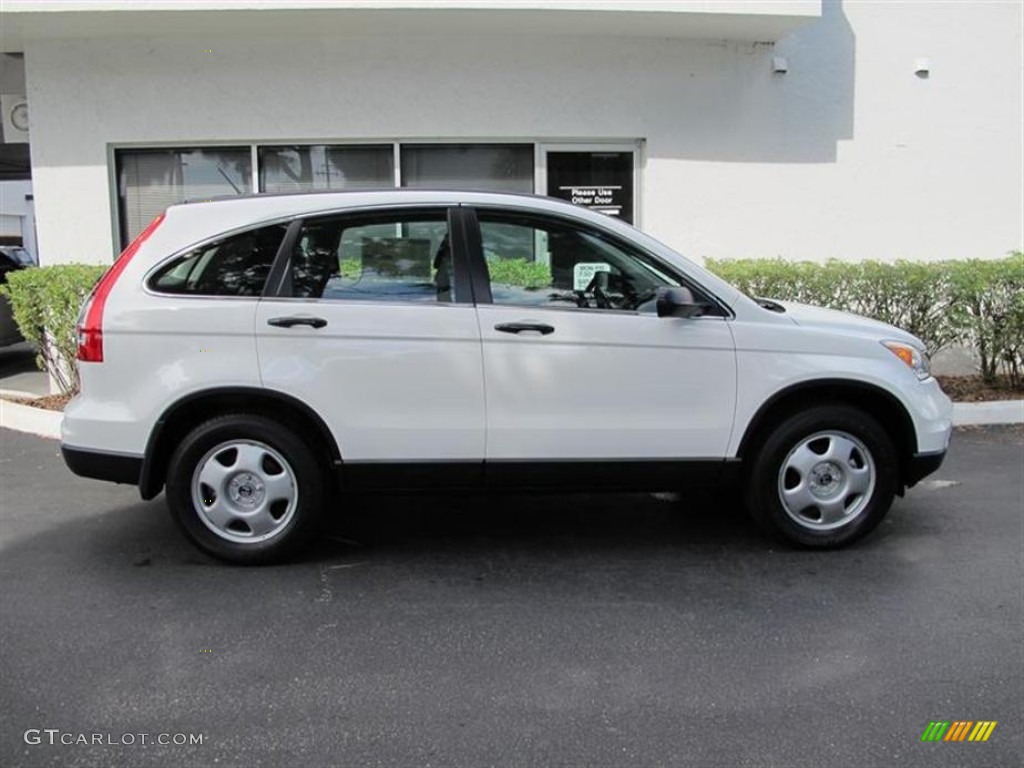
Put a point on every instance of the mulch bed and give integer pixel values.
(47, 402)
(971, 389)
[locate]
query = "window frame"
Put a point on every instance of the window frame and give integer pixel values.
(481, 274)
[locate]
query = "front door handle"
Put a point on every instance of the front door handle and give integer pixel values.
(288, 322)
(542, 328)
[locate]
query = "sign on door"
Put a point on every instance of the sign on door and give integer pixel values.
(601, 181)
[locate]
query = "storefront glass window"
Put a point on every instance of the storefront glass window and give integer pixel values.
(149, 180)
(497, 167)
(313, 167)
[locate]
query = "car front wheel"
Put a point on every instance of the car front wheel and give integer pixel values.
(245, 489)
(824, 477)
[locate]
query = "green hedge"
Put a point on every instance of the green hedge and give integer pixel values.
(45, 303)
(975, 302)
(987, 309)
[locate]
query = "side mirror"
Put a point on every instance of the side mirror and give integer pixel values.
(677, 301)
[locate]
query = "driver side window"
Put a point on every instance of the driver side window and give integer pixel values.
(536, 262)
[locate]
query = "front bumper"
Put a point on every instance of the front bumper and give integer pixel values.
(921, 465)
(932, 411)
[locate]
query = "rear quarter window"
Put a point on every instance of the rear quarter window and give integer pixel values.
(235, 266)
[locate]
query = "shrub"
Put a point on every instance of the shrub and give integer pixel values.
(914, 296)
(45, 303)
(823, 285)
(988, 313)
(977, 303)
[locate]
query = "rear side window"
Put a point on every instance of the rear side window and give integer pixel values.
(398, 257)
(235, 266)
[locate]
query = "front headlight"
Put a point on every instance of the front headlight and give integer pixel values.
(915, 358)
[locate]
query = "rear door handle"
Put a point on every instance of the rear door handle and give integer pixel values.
(288, 322)
(542, 328)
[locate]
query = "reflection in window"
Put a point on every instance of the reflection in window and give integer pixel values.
(536, 262)
(316, 167)
(497, 167)
(149, 180)
(403, 257)
(236, 266)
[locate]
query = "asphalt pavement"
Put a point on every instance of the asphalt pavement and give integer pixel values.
(512, 631)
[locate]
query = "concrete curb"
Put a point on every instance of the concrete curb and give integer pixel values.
(992, 412)
(17, 393)
(37, 421)
(25, 418)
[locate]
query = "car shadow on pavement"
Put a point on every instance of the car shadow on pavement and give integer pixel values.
(142, 534)
(480, 523)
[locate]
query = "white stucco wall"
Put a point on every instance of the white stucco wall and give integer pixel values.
(848, 155)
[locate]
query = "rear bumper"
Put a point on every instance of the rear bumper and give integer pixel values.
(112, 467)
(923, 464)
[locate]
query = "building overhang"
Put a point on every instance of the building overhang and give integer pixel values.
(740, 20)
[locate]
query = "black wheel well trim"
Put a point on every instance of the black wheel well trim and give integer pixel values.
(905, 438)
(151, 478)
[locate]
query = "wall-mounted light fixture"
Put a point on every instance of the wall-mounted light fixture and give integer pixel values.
(922, 68)
(779, 65)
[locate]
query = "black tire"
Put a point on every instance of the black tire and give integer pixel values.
(851, 512)
(291, 521)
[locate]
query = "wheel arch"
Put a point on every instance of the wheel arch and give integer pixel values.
(179, 418)
(885, 407)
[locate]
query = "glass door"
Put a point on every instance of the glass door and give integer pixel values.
(602, 177)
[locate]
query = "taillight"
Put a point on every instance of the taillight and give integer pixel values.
(90, 324)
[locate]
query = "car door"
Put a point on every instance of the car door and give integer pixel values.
(372, 325)
(577, 364)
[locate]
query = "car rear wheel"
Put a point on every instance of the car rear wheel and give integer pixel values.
(824, 477)
(245, 489)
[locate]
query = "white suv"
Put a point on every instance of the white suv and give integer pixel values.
(258, 356)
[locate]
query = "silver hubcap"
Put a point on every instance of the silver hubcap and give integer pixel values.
(826, 480)
(244, 491)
